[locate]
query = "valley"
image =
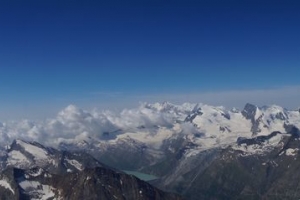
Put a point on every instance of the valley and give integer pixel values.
(194, 150)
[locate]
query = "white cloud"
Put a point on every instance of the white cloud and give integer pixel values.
(74, 123)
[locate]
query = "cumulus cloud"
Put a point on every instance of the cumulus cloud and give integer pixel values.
(73, 123)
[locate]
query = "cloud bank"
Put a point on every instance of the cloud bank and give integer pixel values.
(73, 123)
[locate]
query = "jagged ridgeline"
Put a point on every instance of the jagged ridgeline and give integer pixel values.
(32, 171)
(196, 150)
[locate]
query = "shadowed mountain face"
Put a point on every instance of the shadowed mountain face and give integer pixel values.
(27, 155)
(94, 184)
(257, 168)
(32, 171)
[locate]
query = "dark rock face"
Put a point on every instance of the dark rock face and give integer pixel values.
(101, 183)
(8, 187)
(223, 129)
(129, 154)
(52, 174)
(231, 173)
(256, 140)
(53, 160)
(249, 113)
(281, 116)
(126, 154)
(226, 115)
(271, 176)
(96, 183)
(193, 115)
(292, 129)
(182, 177)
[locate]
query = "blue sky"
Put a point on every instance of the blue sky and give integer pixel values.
(116, 53)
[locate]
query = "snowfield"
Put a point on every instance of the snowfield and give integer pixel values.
(150, 124)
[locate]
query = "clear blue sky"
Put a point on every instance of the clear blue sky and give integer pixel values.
(53, 53)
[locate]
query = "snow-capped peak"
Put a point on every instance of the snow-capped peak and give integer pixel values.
(151, 124)
(37, 151)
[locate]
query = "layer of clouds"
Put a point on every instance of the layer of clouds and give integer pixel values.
(73, 123)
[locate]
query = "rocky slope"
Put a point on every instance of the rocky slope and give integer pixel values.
(96, 183)
(263, 167)
(33, 171)
(185, 145)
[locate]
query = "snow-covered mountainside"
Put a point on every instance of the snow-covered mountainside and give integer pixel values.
(33, 171)
(95, 184)
(27, 155)
(148, 133)
(263, 167)
(177, 143)
(152, 124)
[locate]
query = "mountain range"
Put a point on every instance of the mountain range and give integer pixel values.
(196, 150)
(33, 171)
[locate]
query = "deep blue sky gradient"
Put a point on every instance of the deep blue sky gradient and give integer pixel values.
(54, 50)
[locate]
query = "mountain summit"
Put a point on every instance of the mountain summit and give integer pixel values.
(184, 146)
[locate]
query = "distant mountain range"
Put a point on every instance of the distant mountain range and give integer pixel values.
(197, 150)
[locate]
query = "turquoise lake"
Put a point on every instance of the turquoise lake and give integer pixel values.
(142, 176)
